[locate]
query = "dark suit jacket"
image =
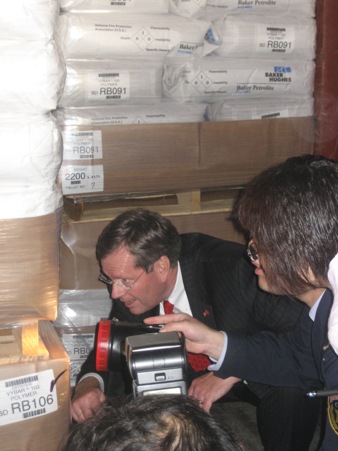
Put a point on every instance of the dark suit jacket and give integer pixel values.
(222, 291)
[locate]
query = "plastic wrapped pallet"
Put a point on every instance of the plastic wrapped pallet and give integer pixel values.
(213, 9)
(29, 19)
(78, 314)
(31, 150)
(113, 82)
(266, 37)
(30, 222)
(129, 6)
(31, 76)
(34, 394)
(218, 8)
(127, 114)
(110, 35)
(213, 79)
(188, 8)
(246, 109)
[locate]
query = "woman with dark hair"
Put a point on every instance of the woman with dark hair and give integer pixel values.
(290, 211)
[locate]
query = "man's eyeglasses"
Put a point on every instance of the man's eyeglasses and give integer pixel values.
(126, 285)
(252, 251)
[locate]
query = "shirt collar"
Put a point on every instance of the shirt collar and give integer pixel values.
(314, 308)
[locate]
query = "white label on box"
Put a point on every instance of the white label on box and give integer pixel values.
(78, 347)
(82, 145)
(82, 179)
(28, 397)
(275, 39)
(108, 86)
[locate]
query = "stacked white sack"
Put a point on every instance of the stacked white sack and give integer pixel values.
(130, 6)
(111, 82)
(132, 114)
(110, 35)
(268, 37)
(214, 9)
(251, 109)
(219, 8)
(31, 76)
(213, 79)
(29, 19)
(32, 150)
(29, 201)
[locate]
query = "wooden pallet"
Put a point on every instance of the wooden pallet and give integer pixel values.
(186, 202)
(22, 343)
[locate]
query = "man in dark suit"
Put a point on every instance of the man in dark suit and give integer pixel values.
(144, 261)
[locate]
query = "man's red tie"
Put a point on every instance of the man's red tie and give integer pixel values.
(199, 362)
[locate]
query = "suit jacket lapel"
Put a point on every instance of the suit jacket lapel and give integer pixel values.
(319, 331)
(196, 292)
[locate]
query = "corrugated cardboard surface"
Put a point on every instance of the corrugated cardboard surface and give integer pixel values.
(29, 267)
(151, 158)
(44, 432)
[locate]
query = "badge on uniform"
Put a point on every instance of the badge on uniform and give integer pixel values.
(333, 412)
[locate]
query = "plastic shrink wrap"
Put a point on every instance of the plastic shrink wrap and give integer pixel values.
(34, 392)
(29, 19)
(271, 37)
(30, 224)
(31, 76)
(130, 6)
(78, 314)
(112, 82)
(213, 9)
(213, 79)
(129, 114)
(31, 150)
(109, 35)
(246, 109)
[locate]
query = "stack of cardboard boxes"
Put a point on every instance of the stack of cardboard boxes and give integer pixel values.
(34, 366)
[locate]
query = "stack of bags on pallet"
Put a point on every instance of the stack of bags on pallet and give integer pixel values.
(263, 66)
(173, 61)
(114, 56)
(34, 367)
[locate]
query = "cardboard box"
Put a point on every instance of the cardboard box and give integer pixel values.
(174, 157)
(35, 396)
(29, 267)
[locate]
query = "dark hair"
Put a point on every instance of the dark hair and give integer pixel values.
(152, 423)
(291, 211)
(146, 235)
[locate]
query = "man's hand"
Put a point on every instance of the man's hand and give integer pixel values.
(200, 338)
(209, 388)
(87, 399)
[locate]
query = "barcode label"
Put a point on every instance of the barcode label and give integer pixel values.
(34, 414)
(23, 380)
(28, 396)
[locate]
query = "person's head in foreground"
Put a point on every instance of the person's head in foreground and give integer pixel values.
(290, 211)
(152, 423)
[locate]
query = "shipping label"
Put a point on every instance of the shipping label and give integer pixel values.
(28, 397)
(80, 179)
(108, 87)
(82, 145)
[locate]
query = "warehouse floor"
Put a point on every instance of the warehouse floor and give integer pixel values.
(241, 418)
